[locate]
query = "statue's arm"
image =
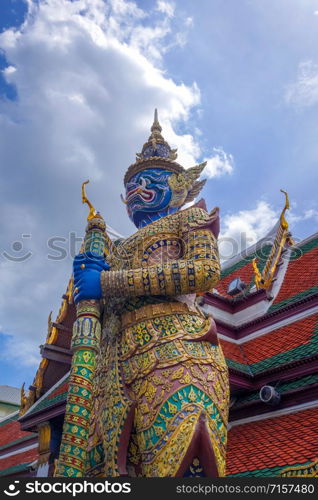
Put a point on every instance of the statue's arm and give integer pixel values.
(197, 271)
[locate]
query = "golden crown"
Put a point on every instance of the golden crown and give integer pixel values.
(157, 153)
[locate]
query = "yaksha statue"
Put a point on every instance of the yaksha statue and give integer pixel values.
(160, 386)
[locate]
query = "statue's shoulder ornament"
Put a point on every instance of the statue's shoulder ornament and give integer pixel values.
(195, 218)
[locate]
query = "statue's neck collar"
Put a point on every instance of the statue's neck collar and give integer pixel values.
(152, 217)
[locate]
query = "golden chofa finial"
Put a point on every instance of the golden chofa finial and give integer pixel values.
(265, 278)
(23, 401)
(23, 395)
(92, 212)
(283, 221)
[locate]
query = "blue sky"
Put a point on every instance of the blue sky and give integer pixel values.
(12, 14)
(244, 56)
(236, 83)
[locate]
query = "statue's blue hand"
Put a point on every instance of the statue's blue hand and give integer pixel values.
(86, 271)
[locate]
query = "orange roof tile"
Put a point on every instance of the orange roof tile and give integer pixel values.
(280, 340)
(245, 273)
(11, 432)
(232, 351)
(59, 390)
(302, 274)
(19, 458)
(280, 441)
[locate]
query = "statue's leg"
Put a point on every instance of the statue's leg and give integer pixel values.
(180, 421)
(177, 378)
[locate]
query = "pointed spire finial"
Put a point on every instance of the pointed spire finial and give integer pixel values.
(156, 127)
(156, 146)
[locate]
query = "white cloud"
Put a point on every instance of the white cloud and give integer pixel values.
(188, 21)
(122, 8)
(244, 228)
(165, 7)
(219, 163)
(9, 70)
(311, 214)
(304, 92)
(87, 85)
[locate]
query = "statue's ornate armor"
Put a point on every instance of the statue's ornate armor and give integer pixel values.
(148, 392)
(161, 386)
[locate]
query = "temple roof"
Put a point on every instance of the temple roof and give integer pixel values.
(17, 463)
(55, 351)
(241, 267)
(283, 388)
(301, 276)
(301, 279)
(265, 447)
(17, 448)
(258, 265)
(9, 395)
(289, 343)
(56, 394)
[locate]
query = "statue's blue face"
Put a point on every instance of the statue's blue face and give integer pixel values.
(148, 195)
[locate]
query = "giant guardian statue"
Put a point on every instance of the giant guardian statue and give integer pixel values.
(149, 389)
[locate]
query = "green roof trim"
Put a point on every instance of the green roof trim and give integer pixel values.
(48, 401)
(293, 299)
(236, 365)
(234, 268)
(297, 253)
(299, 382)
(8, 419)
(14, 469)
(282, 388)
(294, 354)
(302, 249)
(268, 471)
(261, 254)
(12, 443)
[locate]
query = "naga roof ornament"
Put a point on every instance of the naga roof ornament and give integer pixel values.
(283, 237)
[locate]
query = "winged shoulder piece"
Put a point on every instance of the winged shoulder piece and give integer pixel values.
(194, 186)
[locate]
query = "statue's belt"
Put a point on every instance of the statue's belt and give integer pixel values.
(152, 311)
